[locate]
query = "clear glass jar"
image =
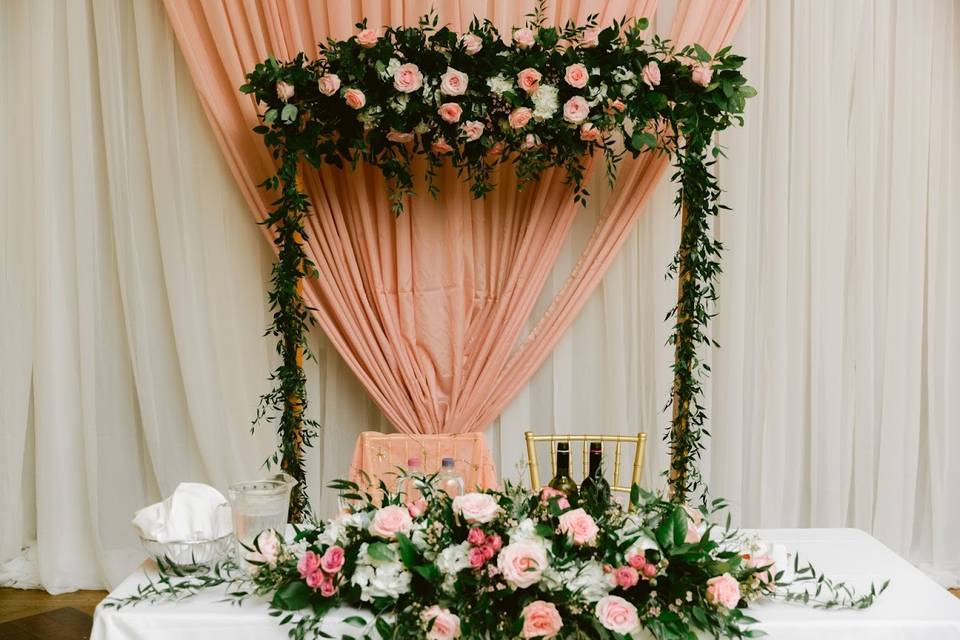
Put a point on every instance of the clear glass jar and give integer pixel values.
(449, 480)
(410, 483)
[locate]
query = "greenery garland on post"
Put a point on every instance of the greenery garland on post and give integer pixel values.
(546, 97)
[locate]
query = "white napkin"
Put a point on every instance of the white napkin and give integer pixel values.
(195, 511)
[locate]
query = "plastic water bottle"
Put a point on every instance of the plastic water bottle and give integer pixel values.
(449, 480)
(410, 484)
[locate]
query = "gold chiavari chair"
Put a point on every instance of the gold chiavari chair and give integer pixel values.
(639, 440)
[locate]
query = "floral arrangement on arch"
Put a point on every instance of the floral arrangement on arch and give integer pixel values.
(547, 97)
(512, 564)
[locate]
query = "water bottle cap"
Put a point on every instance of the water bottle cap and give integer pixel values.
(448, 462)
(413, 462)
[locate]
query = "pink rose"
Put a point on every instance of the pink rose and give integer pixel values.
(650, 74)
(472, 43)
(617, 615)
(522, 563)
(637, 561)
(701, 73)
(488, 551)
(563, 503)
(441, 146)
(400, 136)
(417, 507)
(476, 508)
(284, 90)
(441, 624)
(450, 112)
(546, 493)
(529, 79)
(326, 587)
(577, 76)
(476, 557)
(407, 78)
(476, 537)
(389, 521)
(266, 548)
(693, 525)
(649, 570)
(589, 39)
(453, 82)
(617, 105)
(315, 579)
(519, 117)
(579, 527)
(626, 577)
(354, 98)
(473, 129)
(309, 563)
(588, 132)
(333, 559)
(765, 562)
(530, 142)
(494, 542)
(367, 38)
(576, 110)
(523, 38)
(329, 84)
(723, 590)
(540, 620)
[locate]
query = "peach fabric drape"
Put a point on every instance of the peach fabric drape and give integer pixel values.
(426, 308)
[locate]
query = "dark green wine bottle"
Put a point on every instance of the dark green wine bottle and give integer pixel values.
(595, 490)
(562, 481)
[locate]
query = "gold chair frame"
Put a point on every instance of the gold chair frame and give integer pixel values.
(640, 440)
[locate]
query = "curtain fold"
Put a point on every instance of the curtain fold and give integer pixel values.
(426, 308)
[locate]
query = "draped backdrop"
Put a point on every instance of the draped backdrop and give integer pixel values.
(427, 308)
(132, 283)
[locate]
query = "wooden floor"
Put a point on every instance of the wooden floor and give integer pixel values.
(36, 615)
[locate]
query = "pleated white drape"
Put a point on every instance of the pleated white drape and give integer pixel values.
(132, 291)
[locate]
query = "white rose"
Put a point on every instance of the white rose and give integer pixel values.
(476, 508)
(522, 563)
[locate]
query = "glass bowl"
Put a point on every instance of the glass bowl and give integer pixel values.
(189, 555)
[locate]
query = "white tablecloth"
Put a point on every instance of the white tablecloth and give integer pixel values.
(912, 607)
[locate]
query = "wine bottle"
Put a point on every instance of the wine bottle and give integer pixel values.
(595, 490)
(562, 481)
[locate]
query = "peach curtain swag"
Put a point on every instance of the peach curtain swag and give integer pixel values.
(427, 308)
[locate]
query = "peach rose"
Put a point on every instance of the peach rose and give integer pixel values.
(367, 38)
(453, 82)
(417, 507)
(472, 129)
(519, 117)
(589, 39)
(701, 73)
(354, 98)
(577, 76)
(617, 105)
(531, 142)
(441, 624)
(496, 150)
(329, 84)
(476, 508)
(333, 559)
(579, 527)
(441, 146)
(284, 90)
(402, 137)
(529, 79)
(650, 74)
(472, 43)
(450, 112)
(540, 620)
(576, 110)
(389, 521)
(617, 615)
(523, 38)
(522, 563)
(723, 590)
(588, 132)
(407, 78)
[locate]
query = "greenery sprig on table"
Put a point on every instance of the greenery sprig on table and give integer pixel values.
(546, 97)
(509, 564)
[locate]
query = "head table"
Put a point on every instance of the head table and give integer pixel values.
(912, 607)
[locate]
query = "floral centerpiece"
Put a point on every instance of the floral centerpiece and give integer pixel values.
(512, 564)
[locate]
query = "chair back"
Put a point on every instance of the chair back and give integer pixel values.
(380, 456)
(639, 441)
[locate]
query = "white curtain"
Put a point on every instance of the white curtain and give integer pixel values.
(133, 281)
